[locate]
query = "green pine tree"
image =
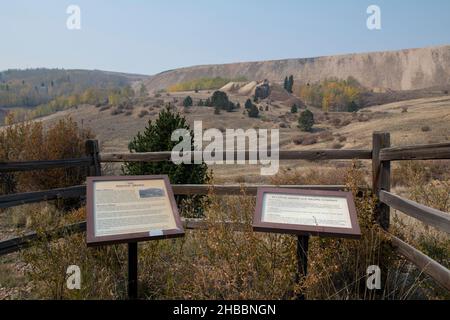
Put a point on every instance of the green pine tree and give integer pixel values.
(187, 102)
(306, 121)
(248, 104)
(352, 107)
(290, 84)
(157, 137)
(253, 112)
(294, 108)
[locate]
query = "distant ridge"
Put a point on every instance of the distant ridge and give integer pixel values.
(407, 69)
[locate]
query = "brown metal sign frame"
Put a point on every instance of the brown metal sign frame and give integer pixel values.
(93, 240)
(306, 230)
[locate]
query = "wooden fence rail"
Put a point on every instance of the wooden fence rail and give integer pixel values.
(41, 165)
(13, 200)
(424, 263)
(24, 241)
(283, 155)
(417, 152)
(438, 219)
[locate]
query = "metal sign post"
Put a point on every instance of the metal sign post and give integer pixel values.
(302, 261)
(132, 270)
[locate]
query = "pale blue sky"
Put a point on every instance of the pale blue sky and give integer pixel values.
(152, 36)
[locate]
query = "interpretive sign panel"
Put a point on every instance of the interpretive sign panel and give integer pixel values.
(306, 212)
(131, 209)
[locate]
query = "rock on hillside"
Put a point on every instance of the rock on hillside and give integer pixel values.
(397, 70)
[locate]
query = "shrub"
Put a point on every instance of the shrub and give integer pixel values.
(219, 99)
(187, 102)
(294, 109)
(325, 136)
(30, 141)
(253, 112)
(352, 107)
(306, 140)
(306, 121)
(248, 104)
(116, 112)
(363, 118)
(143, 113)
(336, 122)
(105, 108)
(426, 129)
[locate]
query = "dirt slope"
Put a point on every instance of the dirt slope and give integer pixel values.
(397, 70)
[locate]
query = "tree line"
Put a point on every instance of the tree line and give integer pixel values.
(33, 87)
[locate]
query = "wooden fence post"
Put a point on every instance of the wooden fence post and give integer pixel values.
(93, 150)
(381, 172)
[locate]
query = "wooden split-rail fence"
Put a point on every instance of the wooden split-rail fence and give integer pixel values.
(381, 155)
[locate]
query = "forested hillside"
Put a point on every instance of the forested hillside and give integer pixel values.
(33, 87)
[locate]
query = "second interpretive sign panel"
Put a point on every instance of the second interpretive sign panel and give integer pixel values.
(130, 209)
(306, 212)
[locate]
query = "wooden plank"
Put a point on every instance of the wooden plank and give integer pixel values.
(425, 264)
(418, 152)
(250, 190)
(381, 176)
(283, 155)
(430, 216)
(45, 164)
(17, 243)
(93, 150)
(12, 200)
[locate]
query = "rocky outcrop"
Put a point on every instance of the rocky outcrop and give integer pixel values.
(397, 70)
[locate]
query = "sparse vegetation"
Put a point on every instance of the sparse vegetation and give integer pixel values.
(203, 84)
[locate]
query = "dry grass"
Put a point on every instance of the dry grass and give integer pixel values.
(220, 263)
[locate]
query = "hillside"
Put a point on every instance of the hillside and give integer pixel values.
(32, 87)
(424, 121)
(408, 69)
